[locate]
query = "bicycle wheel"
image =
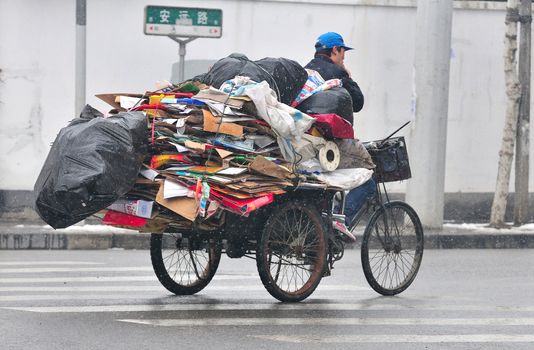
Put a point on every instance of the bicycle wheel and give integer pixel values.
(291, 253)
(392, 248)
(183, 265)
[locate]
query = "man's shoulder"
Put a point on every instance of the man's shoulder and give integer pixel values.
(320, 61)
(326, 68)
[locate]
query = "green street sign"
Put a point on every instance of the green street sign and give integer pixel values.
(183, 21)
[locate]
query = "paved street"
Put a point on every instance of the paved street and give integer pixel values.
(110, 299)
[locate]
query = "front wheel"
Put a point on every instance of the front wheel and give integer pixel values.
(183, 264)
(392, 248)
(291, 254)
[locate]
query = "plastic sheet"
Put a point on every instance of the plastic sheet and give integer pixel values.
(332, 101)
(286, 77)
(92, 162)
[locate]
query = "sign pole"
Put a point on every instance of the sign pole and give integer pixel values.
(81, 47)
(181, 52)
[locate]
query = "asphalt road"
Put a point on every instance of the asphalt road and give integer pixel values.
(110, 299)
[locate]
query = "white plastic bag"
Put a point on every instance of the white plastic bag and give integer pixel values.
(346, 179)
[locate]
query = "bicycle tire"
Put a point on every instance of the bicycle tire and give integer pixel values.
(188, 266)
(291, 252)
(388, 263)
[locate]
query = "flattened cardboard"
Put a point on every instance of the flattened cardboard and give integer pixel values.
(213, 124)
(183, 206)
(264, 166)
(219, 96)
(111, 99)
(223, 153)
(196, 146)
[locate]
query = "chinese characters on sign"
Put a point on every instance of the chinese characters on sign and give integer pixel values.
(164, 16)
(181, 21)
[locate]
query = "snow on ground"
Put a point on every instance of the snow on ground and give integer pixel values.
(81, 228)
(527, 228)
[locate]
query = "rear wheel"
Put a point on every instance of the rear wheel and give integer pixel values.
(291, 254)
(183, 264)
(392, 248)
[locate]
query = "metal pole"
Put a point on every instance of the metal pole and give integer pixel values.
(425, 192)
(181, 52)
(182, 62)
(523, 130)
(80, 56)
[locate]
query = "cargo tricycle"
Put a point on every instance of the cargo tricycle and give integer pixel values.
(293, 240)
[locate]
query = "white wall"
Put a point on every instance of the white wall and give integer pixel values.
(36, 84)
(37, 63)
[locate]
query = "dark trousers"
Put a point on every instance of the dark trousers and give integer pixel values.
(356, 199)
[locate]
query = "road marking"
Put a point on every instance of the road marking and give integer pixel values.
(75, 269)
(402, 338)
(255, 307)
(339, 321)
(26, 297)
(152, 277)
(78, 297)
(130, 288)
(45, 262)
(114, 288)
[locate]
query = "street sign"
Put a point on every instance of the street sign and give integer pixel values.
(183, 22)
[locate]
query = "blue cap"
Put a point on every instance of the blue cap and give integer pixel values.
(329, 40)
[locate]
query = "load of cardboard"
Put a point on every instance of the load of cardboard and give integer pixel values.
(209, 153)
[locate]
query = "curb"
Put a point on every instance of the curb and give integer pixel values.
(57, 241)
(94, 237)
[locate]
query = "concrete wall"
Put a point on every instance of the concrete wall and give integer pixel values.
(37, 69)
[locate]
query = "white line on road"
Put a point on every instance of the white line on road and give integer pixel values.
(130, 288)
(45, 262)
(75, 269)
(212, 289)
(339, 321)
(402, 338)
(152, 277)
(258, 307)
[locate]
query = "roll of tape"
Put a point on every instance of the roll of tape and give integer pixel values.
(329, 156)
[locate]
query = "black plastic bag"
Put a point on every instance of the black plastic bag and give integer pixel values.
(284, 76)
(336, 100)
(92, 162)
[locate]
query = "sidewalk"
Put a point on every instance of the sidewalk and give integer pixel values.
(41, 236)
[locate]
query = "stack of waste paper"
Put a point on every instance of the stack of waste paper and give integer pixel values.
(189, 153)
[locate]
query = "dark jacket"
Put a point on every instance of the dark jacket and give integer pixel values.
(329, 70)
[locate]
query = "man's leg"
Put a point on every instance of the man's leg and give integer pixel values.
(356, 199)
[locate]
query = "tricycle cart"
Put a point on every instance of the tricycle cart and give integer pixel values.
(293, 240)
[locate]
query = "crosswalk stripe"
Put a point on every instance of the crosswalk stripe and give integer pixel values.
(130, 288)
(114, 288)
(212, 289)
(152, 277)
(78, 279)
(25, 297)
(402, 338)
(45, 262)
(339, 321)
(75, 269)
(260, 307)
